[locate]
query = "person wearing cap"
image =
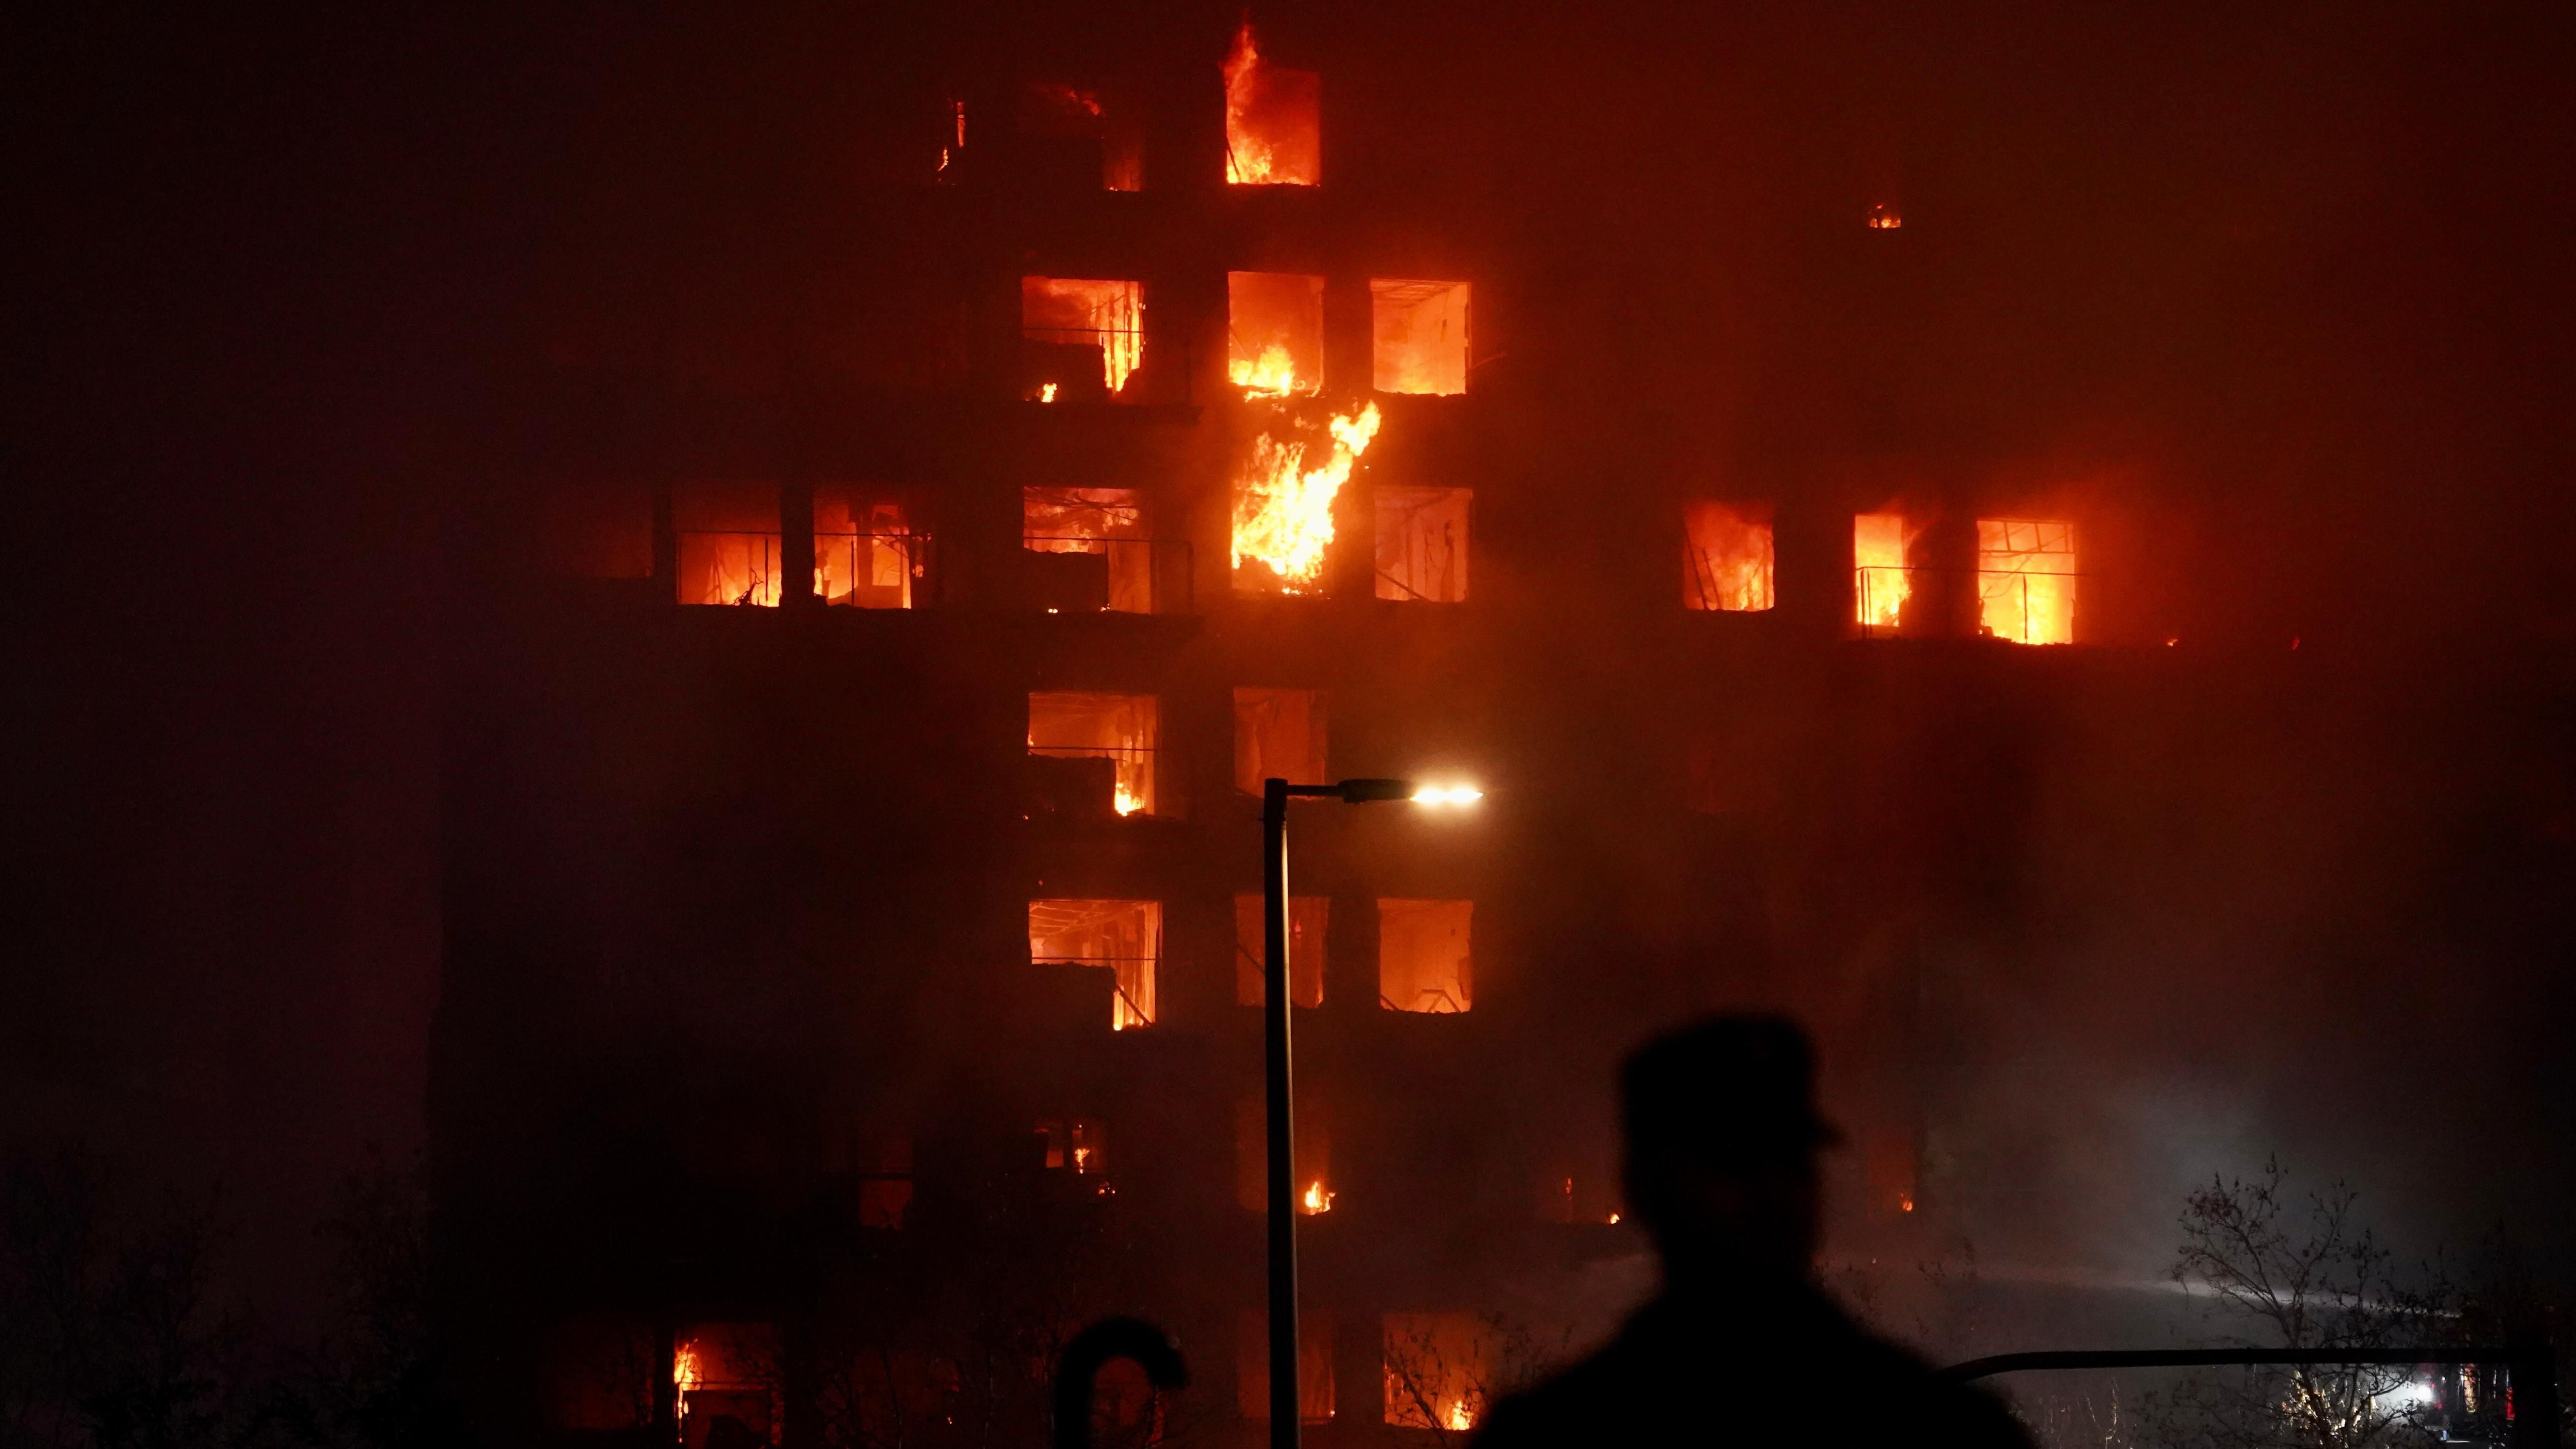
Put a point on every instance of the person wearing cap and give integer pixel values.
(1722, 1135)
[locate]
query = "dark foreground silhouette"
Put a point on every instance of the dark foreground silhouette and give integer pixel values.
(1722, 1134)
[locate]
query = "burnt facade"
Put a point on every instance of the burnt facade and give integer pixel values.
(853, 972)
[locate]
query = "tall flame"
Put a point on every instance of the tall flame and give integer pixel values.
(1460, 1417)
(1283, 510)
(684, 1367)
(1247, 158)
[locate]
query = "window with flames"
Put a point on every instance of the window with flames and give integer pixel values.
(727, 1371)
(2026, 580)
(1085, 337)
(728, 543)
(1274, 333)
(1439, 1370)
(1091, 549)
(1118, 729)
(1273, 119)
(865, 553)
(1882, 570)
(1726, 557)
(1124, 938)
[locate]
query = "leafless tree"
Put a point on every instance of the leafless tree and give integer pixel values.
(2292, 1273)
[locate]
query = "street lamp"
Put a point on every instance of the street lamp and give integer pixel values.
(1275, 795)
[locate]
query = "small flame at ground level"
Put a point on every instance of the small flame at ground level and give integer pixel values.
(1283, 510)
(1317, 1200)
(1460, 1416)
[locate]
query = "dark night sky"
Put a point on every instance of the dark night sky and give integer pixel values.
(270, 268)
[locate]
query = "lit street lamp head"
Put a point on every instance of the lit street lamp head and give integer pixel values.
(1363, 792)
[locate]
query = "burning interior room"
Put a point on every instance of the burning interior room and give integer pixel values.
(2091, 619)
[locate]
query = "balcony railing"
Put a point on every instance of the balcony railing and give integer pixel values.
(1067, 574)
(2023, 606)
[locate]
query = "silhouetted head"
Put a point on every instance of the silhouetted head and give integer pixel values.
(1722, 1133)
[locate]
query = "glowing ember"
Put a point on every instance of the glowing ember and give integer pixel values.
(1283, 510)
(1274, 374)
(1271, 120)
(1317, 1200)
(1885, 217)
(1878, 559)
(1905, 1202)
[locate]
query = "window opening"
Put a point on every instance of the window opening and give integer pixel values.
(1423, 962)
(1422, 335)
(599, 1373)
(1314, 1162)
(1422, 544)
(1314, 1365)
(1123, 937)
(2026, 580)
(1052, 111)
(1308, 919)
(1278, 734)
(1068, 321)
(1438, 1370)
(728, 536)
(1883, 580)
(866, 555)
(1098, 553)
(1120, 728)
(1726, 557)
(726, 1371)
(1078, 1146)
(1273, 120)
(1283, 509)
(1274, 335)
(885, 1181)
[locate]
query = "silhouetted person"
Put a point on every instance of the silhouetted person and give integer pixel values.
(1741, 1346)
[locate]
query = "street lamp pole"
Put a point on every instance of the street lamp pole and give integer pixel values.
(1279, 1072)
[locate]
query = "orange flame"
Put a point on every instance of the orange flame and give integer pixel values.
(684, 1367)
(1247, 157)
(1126, 802)
(1460, 1416)
(1046, 392)
(1274, 375)
(1283, 510)
(1317, 1200)
(1885, 217)
(1269, 120)
(1878, 559)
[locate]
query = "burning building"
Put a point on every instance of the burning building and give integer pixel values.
(873, 664)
